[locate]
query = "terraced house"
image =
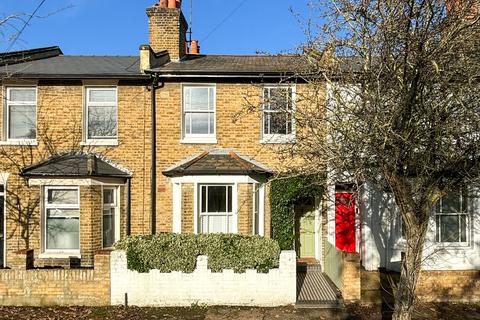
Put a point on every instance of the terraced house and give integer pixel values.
(77, 139)
(94, 148)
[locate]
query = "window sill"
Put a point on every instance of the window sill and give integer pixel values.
(452, 245)
(19, 143)
(277, 139)
(100, 143)
(198, 140)
(59, 255)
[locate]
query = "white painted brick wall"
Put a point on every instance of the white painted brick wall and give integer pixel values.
(276, 288)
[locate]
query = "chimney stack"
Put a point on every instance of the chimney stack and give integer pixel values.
(168, 28)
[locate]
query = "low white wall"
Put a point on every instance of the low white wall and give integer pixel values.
(276, 288)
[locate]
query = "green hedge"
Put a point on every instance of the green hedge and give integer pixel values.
(169, 252)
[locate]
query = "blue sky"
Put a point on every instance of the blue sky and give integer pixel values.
(118, 27)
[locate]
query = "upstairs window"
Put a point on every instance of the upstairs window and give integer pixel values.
(199, 114)
(101, 109)
(278, 108)
(21, 114)
(452, 219)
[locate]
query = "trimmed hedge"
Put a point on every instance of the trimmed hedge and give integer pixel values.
(169, 252)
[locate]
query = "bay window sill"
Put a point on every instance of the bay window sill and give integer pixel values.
(59, 255)
(19, 143)
(278, 139)
(199, 140)
(100, 143)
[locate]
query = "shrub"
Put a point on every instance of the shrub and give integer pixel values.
(169, 252)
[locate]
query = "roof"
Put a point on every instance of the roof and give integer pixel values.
(75, 164)
(235, 65)
(51, 63)
(217, 162)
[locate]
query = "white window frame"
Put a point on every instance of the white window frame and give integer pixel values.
(275, 137)
(116, 206)
(99, 141)
(11, 141)
(233, 214)
(46, 206)
(199, 138)
(260, 189)
(468, 218)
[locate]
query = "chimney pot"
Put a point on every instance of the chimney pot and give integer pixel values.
(172, 4)
(194, 47)
(163, 3)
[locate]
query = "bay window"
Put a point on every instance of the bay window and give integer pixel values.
(21, 114)
(216, 213)
(62, 218)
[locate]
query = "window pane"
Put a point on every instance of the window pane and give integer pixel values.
(63, 233)
(102, 95)
(216, 224)
(278, 123)
(463, 228)
(63, 213)
(188, 129)
(23, 94)
(22, 122)
(62, 196)
(204, 199)
(211, 128)
(451, 203)
(199, 123)
(229, 199)
(108, 196)
(200, 99)
(102, 122)
(217, 199)
(450, 228)
(108, 228)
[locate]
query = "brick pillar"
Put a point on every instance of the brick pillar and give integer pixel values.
(188, 207)
(22, 260)
(351, 276)
(90, 223)
(245, 208)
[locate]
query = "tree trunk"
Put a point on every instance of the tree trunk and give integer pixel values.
(411, 266)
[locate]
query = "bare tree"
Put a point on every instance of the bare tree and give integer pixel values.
(401, 110)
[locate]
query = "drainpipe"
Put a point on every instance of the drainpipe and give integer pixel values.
(153, 173)
(129, 206)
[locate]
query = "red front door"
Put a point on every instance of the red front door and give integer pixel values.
(345, 221)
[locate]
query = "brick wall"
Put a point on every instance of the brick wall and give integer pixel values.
(188, 207)
(58, 287)
(245, 208)
(461, 286)
(276, 288)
